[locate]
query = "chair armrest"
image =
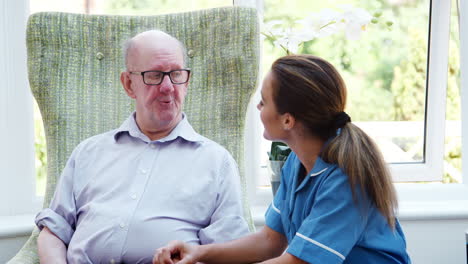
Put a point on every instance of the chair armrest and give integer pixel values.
(28, 253)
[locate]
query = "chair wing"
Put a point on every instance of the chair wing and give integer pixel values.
(74, 65)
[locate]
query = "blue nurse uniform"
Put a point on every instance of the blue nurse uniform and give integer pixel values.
(323, 224)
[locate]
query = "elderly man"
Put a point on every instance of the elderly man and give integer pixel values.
(129, 191)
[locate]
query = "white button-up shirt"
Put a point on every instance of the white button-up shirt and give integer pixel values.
(121, 196)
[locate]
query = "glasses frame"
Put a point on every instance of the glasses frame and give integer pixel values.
(188, 70)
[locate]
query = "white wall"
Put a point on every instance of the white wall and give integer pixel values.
(436, 241)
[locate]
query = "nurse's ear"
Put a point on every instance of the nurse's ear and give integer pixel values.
(287, 121)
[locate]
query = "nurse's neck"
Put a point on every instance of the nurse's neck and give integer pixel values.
(307, 149)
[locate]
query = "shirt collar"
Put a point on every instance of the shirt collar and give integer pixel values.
(320, 166)
(183, 130)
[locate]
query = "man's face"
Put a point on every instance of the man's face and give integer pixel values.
(158, 107)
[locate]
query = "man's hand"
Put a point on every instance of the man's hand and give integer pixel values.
(177, 252)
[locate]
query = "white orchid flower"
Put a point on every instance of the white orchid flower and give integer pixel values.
(289, 40)
(272, 27)
(355, 21)
(318, 25)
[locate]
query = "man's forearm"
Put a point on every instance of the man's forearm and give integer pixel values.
(51, 249)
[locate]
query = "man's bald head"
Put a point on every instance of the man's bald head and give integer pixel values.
(155, 38)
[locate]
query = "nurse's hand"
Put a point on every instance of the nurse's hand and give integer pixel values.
(176, 252)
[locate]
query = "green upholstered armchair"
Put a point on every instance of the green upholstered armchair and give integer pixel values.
(74, 64)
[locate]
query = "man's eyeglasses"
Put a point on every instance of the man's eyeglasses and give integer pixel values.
(156, 77)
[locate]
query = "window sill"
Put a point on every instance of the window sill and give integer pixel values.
(441, 210)
(16, 225)
(432, 201)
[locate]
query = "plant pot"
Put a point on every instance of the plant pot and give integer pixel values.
(275, 174)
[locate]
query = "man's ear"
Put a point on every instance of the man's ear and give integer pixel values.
(288, 121)
(187, 84)
(185, 88)
(126, 83)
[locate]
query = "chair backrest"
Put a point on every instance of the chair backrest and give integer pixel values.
(74, 65)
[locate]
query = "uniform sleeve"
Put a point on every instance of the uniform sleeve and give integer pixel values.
(227, 221)
(334, 225)
(273, 215)
(60, 216)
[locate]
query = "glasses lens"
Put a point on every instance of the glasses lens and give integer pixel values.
(153, 77)
(179, 76)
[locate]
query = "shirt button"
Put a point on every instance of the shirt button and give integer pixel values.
(153, 146)
(122, 225)
(143, 171)
(134, 196)
(112, 261)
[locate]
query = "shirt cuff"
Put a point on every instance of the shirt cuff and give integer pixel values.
(227, 229)
(312, 251)
(56, 224)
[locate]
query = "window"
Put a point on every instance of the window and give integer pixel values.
(398, 84)
(17, 149)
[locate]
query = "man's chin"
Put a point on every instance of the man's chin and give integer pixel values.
(168, 118)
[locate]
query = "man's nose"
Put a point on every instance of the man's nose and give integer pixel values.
(166, 85)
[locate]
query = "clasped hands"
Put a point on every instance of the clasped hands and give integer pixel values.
(176, 252)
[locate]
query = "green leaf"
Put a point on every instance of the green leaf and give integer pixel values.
(279, 151)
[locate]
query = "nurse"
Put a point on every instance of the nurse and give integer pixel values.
(336, 202)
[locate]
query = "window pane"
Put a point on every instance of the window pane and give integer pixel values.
(385, 70)
(40, 149)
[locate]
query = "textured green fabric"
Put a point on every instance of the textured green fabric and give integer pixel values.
(74, 65)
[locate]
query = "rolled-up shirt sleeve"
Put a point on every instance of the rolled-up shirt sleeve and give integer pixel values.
(227, 221)
(60, 216)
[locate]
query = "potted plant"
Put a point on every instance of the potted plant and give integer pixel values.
(277, 156)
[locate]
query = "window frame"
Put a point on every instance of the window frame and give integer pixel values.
(16, 115)
(431, 169)
(464, 84)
